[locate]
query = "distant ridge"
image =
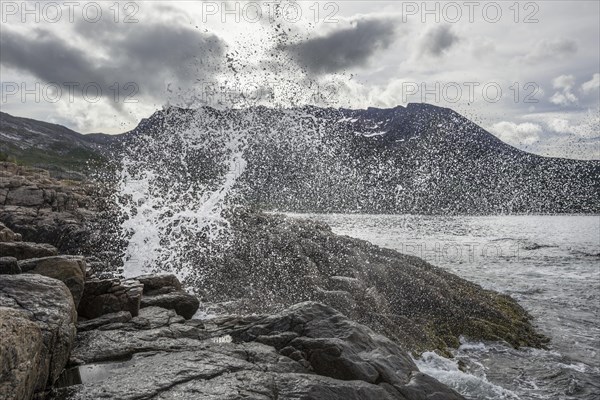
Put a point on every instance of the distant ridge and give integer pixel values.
(415, 159)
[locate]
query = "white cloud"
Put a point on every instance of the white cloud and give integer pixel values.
(525, 134)
(565, 82)
(591, 85)
(563, 99)
(586, 127)
(564, 96)
(549, 53)
(560, 125)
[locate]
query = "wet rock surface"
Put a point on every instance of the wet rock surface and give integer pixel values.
(104, 320)
(103, 296)
(164, 290)
(183, 303)
(309, 351)
(402, 297)
(159, 284)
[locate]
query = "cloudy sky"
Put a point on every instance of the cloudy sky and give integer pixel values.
(528, 73)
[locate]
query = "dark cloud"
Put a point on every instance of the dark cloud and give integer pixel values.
(343, 48)
(47, 57)
(149, 55)
(438, 40)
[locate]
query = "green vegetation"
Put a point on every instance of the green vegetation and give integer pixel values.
(64, 159)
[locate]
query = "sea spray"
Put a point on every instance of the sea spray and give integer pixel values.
(180, 176)
(174, 184)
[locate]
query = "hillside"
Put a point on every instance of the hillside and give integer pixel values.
(51, 146)
(414, 159)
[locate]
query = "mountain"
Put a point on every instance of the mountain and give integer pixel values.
(415, 159)
(47, 145)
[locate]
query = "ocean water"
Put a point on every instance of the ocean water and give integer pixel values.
(549, 264)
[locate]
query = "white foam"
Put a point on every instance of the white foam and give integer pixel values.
(447, 371)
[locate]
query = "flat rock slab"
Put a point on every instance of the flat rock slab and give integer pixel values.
(112, 318)
(309, 351)
(221, 372)
(25, 250)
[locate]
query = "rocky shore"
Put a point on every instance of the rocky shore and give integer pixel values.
(137, 340)
(340, 321)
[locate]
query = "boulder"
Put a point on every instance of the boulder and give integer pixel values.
(9, 266)
(68, 269)
(159, 284)
(336, 347)
(48, 303)
(105, 296)
(7, 235)
(183, 303)
(20, 354)
(24, 250)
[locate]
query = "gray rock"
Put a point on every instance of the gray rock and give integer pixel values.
(48, 303)
(250, 371)
(336, 347)
(20, 355)
(9, 266)
(24, 250)
(105, 296)
(133, 337)
(314, 352)
(64, 230)
(7, 235)
(156, 317)
(121, 316)
(276, 261)
(183, 303)
(46, 210)
(28, 196)
(158, 284)
(69, 269)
